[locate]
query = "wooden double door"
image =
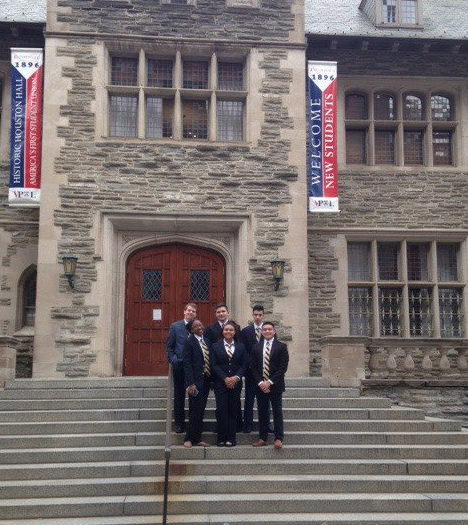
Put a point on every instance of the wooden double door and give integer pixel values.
(160, 280)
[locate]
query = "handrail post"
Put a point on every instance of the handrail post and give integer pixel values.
(167, 443)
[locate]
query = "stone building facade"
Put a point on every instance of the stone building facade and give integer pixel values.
(223, 169)
(172, 127)
(388, 273)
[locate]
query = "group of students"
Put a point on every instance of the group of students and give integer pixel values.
(220, 357)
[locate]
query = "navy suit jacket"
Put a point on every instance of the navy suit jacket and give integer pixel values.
(221, 367)
(214, 332)
(176, 338)
(249, 338)
(279, 359)
(194, 361)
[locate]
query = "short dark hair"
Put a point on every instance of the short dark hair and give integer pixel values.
(222, 305)
(258, 308)
(269, 323)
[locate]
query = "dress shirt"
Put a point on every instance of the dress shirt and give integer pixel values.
(233, 348)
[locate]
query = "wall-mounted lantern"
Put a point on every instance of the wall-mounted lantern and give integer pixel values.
(69, 268)
(277, 269)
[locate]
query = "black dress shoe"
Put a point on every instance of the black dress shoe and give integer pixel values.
(179, 429)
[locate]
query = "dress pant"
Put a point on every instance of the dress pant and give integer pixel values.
(179, 395)
(276, 400)
(249, 400)
(197, 405)
(227, 412)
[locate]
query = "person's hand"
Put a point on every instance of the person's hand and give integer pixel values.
(265, 387)
(191, 389)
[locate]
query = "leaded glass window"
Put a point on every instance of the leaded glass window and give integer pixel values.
(199, 285)
(230, 76)
(124, 71)
(417, 261)
(451, 312)
(429, 282)
(195, 119)
(384, 107)
(160, 73)
(230, 120)
(123, 116)
(447, 262)
(390, 311)
(420, 312)
(388, 264)
(358, 261)
(195, 75)
(360, 311)
(356, 107)
(356, 146)
(151, 286)
(385, 147)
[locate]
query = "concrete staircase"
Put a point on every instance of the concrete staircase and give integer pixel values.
(90, 452)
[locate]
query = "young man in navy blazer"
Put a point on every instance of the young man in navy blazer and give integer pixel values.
(176, 338)
(214, 332)
(198, 379)
(268, 363)
(250, 336)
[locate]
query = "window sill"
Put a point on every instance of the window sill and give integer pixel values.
(183, 143)
(390, 168)
(26, 331)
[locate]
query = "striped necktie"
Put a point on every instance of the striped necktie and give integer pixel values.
(206, 358)
(266, 362)
(257, 333)
(229, 350)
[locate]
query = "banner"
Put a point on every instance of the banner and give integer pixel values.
(322, 154)
(26, 127)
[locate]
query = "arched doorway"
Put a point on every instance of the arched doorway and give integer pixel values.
(160, 280)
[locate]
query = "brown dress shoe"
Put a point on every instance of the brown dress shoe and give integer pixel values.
(278, 444)
(259, 443)
(187, 444)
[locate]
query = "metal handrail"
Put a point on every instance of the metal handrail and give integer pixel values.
(167, 442)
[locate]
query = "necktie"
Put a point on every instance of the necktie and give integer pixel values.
(206, 358)
(229, 350)
(266, 362)
(257, 333)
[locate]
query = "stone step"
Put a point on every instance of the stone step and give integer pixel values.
(392, 413)
(119, 393)
(159, 426)
(223, 484)
(135, 453)
(298, 438)
(267, 519)
(293, 425)
(132, 382)
(200, 504)
(29, 410)
(203, 467)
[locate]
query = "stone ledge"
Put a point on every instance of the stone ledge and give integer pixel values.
(416, 383)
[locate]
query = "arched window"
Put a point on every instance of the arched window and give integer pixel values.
(384, 107)
(441, 108)
(356, 107)
(412, 108)
(28, 296)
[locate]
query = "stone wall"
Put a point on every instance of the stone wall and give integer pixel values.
(207, 20)
(437, 398)
(381, 198)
